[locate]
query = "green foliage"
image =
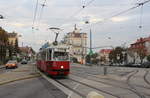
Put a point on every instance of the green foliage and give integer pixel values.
(92, 58)
(116, 55)
(148, 58)
(16, 46)
(88, 59)
(3, 44)
(74, 60)
(3, 36)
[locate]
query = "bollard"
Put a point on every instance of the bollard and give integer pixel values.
(94, 95)
(105, 70)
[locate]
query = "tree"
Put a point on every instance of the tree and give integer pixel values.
(3, 45)
(16, 50)
(92, 58)
(116, 55)
(148, 58)
(88, 60)
(74, 60)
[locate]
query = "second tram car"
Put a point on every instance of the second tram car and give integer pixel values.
(54, 60)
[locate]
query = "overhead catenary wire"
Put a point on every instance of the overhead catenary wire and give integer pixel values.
(122, 12)
(141, 17)
(35, 13)
(89, 3)
(125, 11)
(41, 13)
(84, 5)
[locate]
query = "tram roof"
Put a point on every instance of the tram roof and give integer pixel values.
(59, 46)
(51, 46)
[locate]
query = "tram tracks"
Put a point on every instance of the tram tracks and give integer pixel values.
(128, 85)
(96, 88)
(132, 87)
(87, 85)
(136, 86)
(145, 77)
(114, 85)
(68, 87)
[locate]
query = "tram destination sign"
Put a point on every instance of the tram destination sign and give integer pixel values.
(61, 49)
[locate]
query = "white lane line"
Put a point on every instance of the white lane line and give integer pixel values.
(75, 87)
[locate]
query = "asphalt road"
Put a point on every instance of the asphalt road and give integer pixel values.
(3, 70)
(120, 82)
(33, 88)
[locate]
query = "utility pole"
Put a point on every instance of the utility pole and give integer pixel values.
(82, 45)
(90, 40)
(90, 45)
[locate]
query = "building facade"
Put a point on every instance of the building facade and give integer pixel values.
(143, 44)
(139, 48)
(26, 52)
(78, 43)
(104, 56)
(12, 37)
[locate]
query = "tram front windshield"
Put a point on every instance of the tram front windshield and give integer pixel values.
(61, 56)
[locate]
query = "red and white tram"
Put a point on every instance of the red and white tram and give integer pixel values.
(54, 60)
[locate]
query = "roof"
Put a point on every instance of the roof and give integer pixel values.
(25, 49)
(142, 40)
(105, 51)
(59, 46)
(12, 34)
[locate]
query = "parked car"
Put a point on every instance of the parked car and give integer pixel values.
(146, 65)
(11, 64)
(24, 61)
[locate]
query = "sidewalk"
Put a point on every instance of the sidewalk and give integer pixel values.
(21, 73)
(2, 66)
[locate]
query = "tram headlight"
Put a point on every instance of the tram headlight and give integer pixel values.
(61, 67)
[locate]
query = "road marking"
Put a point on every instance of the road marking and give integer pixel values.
(19, 79)
(69, 96)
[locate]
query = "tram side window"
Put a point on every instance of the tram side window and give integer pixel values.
(50, 55)
(43, 55)
(61, 56)
(39, 56)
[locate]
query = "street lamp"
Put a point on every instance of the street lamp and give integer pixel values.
(1, 17)
(87, 22)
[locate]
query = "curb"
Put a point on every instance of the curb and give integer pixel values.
(94, 95)
(24, 78)
(1, 67)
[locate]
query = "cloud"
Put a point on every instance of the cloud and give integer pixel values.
(19, 17)
(95, 20)
(119, 19)
(17, 24)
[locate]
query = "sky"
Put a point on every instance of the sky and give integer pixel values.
(106, 30)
